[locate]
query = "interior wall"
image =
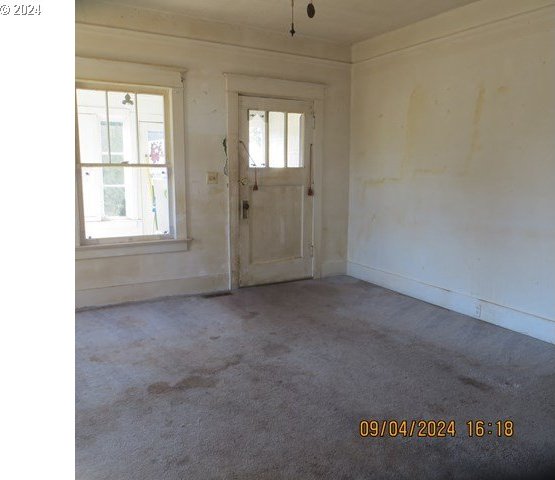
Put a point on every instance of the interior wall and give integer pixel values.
(205, 266)
(452, 171)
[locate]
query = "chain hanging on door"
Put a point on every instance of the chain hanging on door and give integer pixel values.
(252, 163)
(310, 192)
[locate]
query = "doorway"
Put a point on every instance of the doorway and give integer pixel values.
(275, 190)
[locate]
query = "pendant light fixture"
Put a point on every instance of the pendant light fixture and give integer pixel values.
(310, 11)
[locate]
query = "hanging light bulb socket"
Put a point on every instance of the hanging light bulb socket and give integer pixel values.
(310, 10)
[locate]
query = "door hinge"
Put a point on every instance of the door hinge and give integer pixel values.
(311, 250)
(313, 121)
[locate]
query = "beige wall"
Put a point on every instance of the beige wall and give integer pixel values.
(452, 180)
(205, 266)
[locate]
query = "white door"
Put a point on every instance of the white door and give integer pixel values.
(276, 202)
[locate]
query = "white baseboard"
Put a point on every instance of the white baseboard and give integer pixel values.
(333, 267)
(506, 317)
(97, 297)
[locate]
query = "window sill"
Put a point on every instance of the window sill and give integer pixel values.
(86, 252)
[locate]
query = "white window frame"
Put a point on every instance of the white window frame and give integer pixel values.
(119, 76)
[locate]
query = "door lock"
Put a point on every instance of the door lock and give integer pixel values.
(246, 207)
(244, 181)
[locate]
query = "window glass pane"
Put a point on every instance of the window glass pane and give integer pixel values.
(93, 193)
(123, 127)
(91, 112)
(155, 181)
(116, 138)
(115, 158)
(277, 139)
(257, 138)
(113, 176)
(152, 144)
(115, 146)
(100, 142)
(294, 139)
(104, 144)
(114, 201)
(125, 201)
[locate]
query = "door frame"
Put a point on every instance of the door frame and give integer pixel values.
(236, 85)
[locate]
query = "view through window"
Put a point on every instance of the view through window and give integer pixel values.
(124, 172)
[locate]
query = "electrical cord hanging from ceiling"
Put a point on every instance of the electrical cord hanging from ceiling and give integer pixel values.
(292, 31)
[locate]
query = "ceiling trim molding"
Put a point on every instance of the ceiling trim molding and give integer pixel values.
(478, 15)
(181, 42)
(150, 21)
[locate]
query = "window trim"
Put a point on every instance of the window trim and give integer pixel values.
(95, 73)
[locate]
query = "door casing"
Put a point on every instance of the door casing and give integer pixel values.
(237, 85)
(285, 251)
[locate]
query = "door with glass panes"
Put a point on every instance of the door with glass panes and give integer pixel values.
(276, 201)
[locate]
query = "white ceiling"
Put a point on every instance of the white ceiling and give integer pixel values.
(339, 21)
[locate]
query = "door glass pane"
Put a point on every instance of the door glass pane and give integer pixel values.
(276, 139)
(152, 143)
(294, 139)
(125, 201)
(257, 139)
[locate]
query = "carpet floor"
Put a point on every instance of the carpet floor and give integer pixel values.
(271, 382)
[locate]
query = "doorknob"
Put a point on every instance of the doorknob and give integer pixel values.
(245, 209)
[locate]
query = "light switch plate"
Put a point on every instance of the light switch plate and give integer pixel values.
(211, 178)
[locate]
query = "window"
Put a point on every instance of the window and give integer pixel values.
(124, 170)
(275, 139)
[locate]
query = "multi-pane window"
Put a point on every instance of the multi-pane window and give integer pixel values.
(124, 172)
(275, 139)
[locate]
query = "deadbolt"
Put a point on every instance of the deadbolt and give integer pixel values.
(245, 209)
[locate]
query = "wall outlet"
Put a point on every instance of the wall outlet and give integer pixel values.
(212, 178)
(478, 311)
